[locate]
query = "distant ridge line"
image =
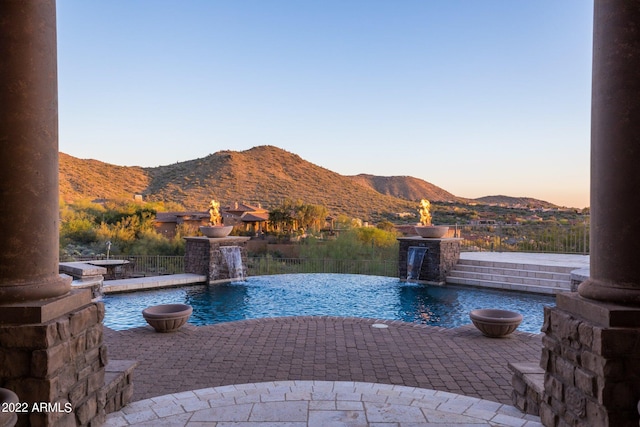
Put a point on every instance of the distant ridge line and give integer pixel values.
(264, 174)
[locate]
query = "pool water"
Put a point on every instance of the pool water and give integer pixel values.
(346, 295)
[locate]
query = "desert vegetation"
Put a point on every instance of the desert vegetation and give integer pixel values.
(86, 228)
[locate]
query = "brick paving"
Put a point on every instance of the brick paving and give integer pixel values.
(457, 360)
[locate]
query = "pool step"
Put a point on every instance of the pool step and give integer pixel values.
(538, 278)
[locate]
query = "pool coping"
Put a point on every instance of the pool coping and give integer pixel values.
(311, 403)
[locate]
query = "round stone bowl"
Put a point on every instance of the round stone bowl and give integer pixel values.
(495, 323)
(431, 231)
(8, 415)
(214, 231)
(167, 317)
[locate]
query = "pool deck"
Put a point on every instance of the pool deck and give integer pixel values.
(323, 371)
(272, 366)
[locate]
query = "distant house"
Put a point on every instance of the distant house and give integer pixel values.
(483, 222)
(243, 217)
(406, 230)
(404, 214)
(246, 217)
(166, 223)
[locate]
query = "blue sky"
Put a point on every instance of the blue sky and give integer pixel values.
(479, 97)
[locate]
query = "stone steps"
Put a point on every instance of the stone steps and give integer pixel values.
(537, 278)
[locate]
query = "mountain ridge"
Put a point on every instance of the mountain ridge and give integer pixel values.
(263, 174)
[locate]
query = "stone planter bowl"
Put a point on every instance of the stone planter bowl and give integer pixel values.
(431, 231)
(495, 323)
(167, 317)
(214, 231)
(8, 418)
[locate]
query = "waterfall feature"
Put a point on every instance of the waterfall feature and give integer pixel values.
(415, 257)
(233, 258)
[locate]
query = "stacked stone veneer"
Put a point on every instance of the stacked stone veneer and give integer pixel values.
(528, 387)
(60, 362)
(441, 256)
(203, 256)
(591, 355)
(118, 388)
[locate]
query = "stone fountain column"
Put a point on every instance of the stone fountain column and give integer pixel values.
(203, 256)
(51, 349)
(592, 338)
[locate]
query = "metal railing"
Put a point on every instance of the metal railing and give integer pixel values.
(496, 237)
(146, 265)
(568, 239)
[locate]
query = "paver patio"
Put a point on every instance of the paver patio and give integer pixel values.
(460, 360)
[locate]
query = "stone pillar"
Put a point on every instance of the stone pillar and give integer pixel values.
(440, 258)
(203, 256)
(591, 345)
(615, 154)
(29, 153)
(52, 353)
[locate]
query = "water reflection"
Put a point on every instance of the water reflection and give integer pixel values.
(428, 304)
(216, 302)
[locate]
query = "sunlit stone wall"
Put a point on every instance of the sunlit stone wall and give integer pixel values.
(203, 256)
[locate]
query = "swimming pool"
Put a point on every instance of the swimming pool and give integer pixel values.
(347, 295)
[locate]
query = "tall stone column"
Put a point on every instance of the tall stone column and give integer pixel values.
(591, 345)
(51, 337)
(29, 207)
(615, 154)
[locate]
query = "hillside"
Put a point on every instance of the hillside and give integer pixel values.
(405, 187)
(508, 201)
(92, 179)
(267, 175)
(264, 174)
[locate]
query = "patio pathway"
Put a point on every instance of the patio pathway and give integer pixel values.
(318, 404)
(334, 349)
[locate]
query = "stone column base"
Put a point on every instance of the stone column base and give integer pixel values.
(528, 387)
(55, 364)
(591, 358)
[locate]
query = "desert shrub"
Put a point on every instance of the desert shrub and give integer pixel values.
(357, 243)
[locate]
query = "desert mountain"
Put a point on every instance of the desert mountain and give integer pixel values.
(509, 201)
(264, 174)
(405, 187)
(92, 179)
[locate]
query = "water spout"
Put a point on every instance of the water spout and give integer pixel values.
(233, 258)
(415, 258)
